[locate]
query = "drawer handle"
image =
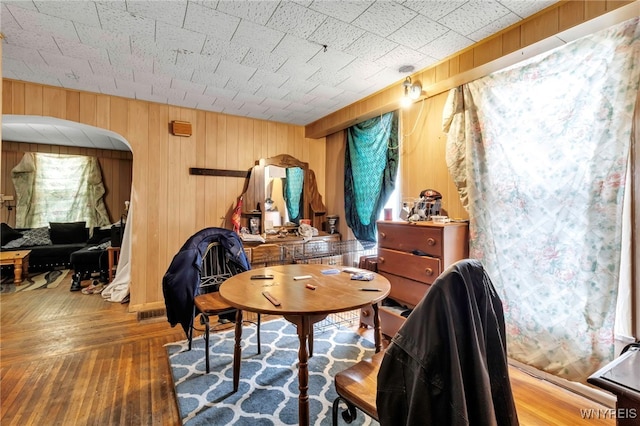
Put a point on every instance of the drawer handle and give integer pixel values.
(431, 241)
(383, 235)
(429, 271)
(381, 259)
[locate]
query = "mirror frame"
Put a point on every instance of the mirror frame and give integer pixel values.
(254, 195)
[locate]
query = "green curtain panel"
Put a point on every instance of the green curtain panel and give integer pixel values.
(293, 196)
(371, 166)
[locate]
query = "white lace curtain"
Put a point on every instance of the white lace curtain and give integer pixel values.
(58, 188)
(539, 153)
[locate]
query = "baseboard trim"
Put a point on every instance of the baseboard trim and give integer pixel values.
(151, 314)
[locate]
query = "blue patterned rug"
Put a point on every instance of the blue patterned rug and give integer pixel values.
(268, 391)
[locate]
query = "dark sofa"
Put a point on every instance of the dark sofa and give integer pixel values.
(51, 247)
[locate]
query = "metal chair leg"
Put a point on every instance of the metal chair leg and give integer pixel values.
(207, 329)
(259, 345)
(348, 414)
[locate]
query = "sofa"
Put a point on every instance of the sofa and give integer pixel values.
(51, 247)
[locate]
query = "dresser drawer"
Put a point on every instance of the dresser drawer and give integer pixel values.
(405, 291)
(419, 268)
(403, 237)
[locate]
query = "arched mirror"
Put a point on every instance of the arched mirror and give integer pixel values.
(281, 190)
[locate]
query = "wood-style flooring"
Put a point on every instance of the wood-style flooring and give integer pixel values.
(73, 359)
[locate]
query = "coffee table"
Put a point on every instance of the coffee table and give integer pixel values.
(20, 261)
(301, 306)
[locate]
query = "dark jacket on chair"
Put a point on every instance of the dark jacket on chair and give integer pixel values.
(181, 280)
(447, 365)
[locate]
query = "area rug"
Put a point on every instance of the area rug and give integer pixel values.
(268, 391)
(50, 279)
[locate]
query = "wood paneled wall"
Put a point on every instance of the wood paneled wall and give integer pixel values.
(116, 173)
(167, 203)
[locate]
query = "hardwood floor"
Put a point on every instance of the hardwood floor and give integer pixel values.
(73, 359)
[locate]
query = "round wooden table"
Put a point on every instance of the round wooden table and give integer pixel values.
(301, 306)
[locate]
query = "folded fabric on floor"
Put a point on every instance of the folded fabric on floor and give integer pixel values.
(268, 391)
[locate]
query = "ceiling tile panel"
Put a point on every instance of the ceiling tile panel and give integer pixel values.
(469, 17)
(346, 11)
(297, 48)
(384, 18)
(121, 21)
(169, 12)
(295, 19)
(253, 10)
(335, 34)
(211, 22)
(97, 37)
(76, 11)
(263, 60)
(253, 35)
(418, 32)
(225, 49)
(371, 47)
(38, 22)
(242, 56)
(446, 45)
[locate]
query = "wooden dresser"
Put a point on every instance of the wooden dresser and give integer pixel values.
(411, 256)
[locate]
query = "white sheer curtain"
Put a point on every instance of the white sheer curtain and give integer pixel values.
(539, 153)
(58, 188)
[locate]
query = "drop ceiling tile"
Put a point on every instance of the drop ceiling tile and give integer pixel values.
(337, 35)
(269, 78)
(212, 107)
(228, 104)
(83, 12)
(251, 108)
(356, 85)
(494, 26)
(371, 47)
(150, 97)
(263, 60)
(180, 72)
(152, 79)
(31, 40)
(199, 99)
(233, 70)
(435, 9)
(65, 62)
(332, 59)
(7, 22)
(346, 11)
(115, 4)
(446, 45)
(276, 103)
(362, 68)
(32, 21)
(209, 78)
(298, 106)
(255, 11)
(224, 49)
(524, 9)
(76, 49)
(248, 98)
(140, 63)
(297, 48)
(473, 15)
(106, 69)
(384, 17)
(196, 61)
(295, 19)
(15, 68)
(272, 92)
(298, 69)
(211, 22)
(122, 21)
(116, 91)
(21, 3)
(398, 57)
(169, 93)
(297, 85)
(188, 86)
(219, 92)
(256, 36)
(139, 88)
(97, 37)
(329, 77)
(26, 54)
(150, 50)
(418, 32)
(169, 12)
(322, 91)
(170, 37)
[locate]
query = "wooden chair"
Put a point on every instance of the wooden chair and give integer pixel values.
(214, 271)
(356, 387)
